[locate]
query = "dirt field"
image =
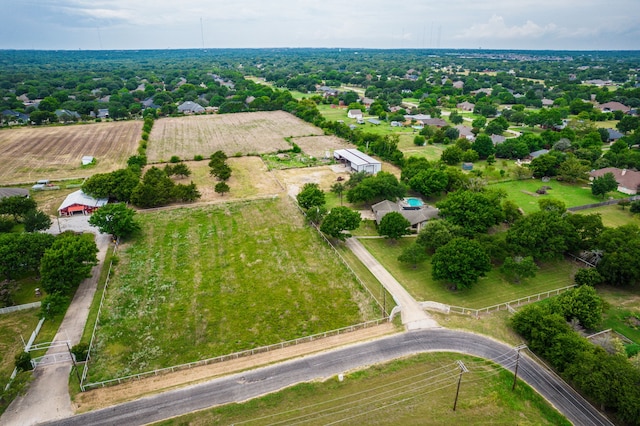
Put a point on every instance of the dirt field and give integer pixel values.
(256, 132)
(55, 152)
(104, 397)
(324, 176)
(318, 146)
(249, 178)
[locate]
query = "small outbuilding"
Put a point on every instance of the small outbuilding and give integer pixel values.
(357, 161)
(86, 160)
(13, 192)
(80, 203)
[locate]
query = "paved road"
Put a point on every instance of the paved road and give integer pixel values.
(246, 385)
(413, 316)
(48, 395)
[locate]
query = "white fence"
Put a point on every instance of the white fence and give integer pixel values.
(27, 348)
(9, 309)
(234, 355)
(499, 307)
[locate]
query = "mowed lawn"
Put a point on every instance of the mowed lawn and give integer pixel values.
(12, 326)
(523, 193)
(490, 290)
(214, 280)
(613, 216)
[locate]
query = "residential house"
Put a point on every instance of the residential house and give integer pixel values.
(536, 154)
(190, 107)
(614, 106)
(355, 113)
(547, 102)
(497, 139)
(417, 216)
(466, 106)
(628, 180)
(437, 122)
(465, 132)
(458, 84)
(13, 117)
(614, 135)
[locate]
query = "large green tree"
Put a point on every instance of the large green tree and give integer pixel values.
(545, 235)
(17, 206)
(413, 254)
(382, 186)
(518, 267)
(461, 262)
(473, 211)
(21, 253)
(115, 219)
(338, 220)
(483, 145)
(438, 232)
(393, 226)
(581, 303)
(430, 182)
(67, 262)
(603, 184)
(36, 220)
(310, 196)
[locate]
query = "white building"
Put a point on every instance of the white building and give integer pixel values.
(357, 161)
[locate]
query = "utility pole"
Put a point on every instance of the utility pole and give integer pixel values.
(75, 366)
(463, 369)
(515, 375)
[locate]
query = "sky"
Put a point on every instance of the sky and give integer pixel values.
(388, 24)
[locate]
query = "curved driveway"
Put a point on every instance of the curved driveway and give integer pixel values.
(246, 385)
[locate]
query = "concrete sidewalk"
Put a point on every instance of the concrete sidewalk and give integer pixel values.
(47, 397)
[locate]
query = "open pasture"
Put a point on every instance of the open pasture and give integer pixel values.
(55, 152)
(244, 133)
(213, 280)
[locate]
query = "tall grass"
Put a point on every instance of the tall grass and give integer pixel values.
(214, 280)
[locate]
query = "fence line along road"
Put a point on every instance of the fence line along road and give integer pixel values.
(236, 355)
(439, 307)
(10, 309)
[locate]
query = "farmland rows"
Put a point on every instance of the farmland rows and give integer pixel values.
(29, 154)
(259, 132)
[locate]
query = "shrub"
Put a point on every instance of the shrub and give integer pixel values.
(198, 157)
(174, 159)
(80, 351)
(23, 361)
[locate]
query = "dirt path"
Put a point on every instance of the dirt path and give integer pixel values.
(104, 397)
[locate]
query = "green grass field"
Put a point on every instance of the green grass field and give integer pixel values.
(521, 191)
(490, 290)
(622, 311)
(208, 281)
(414, 391)
(614, 216)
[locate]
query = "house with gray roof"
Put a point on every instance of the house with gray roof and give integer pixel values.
(417, 216)
(357, 161)
(13, 192)
(190, 107)
(628, 180)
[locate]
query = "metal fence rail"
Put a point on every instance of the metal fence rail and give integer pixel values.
(503, 306)
(235, 355)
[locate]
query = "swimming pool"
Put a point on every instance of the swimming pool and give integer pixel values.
(414, 202)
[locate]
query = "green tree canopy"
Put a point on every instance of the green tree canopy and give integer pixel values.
(581, 303)
(413, 254)
(67, 262)
(393, 226)
(438, 232)
(311, 196)
(382, 186)
(115, 219)
(483, 145)
(517, 267)
(17, 206)
(21, 253)
(338, 220)
(603, 184)
(475, 212)
(430, 182)
(36, 220)
(461, 262)
(545, 235)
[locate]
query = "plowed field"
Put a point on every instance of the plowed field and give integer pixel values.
(252, 132)
(55, 152)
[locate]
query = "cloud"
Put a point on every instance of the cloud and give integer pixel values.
(496, 28)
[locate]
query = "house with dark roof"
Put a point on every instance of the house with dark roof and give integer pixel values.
(497, 139)
(66, 115)
(13, 192)
(148, 103)
(628, 180)
(614, 135)
(437, 122)
(417, 215)
(536, 154)
(13, 117)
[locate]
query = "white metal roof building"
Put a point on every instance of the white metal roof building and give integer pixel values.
(358, 161)
(79, 202)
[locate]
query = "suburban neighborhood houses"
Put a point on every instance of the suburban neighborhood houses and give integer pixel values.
(260, 221)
